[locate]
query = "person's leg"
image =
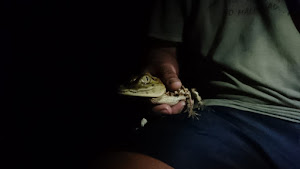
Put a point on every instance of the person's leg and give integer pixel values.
(278, 140)
(221, 138)
(129, 160)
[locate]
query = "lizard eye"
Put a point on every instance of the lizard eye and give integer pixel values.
(145, 79)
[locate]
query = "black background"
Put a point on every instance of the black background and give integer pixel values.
(63, 61)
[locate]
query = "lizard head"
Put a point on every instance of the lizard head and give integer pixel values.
(144, 85)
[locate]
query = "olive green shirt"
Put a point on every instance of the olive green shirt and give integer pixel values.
(255, 44)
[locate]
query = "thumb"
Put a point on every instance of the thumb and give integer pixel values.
(169, 77)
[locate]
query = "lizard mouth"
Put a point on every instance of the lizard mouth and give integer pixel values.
(147, 92)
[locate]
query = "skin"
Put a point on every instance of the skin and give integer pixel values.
(128, 160)
(162, 63)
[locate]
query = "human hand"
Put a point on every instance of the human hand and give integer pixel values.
(166, 68)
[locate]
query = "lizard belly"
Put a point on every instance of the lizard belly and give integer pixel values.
(165, 99)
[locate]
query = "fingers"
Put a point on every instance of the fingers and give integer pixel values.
(168, 74)
(169, 77)
(167, 109)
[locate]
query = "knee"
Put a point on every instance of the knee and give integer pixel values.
(128, 160)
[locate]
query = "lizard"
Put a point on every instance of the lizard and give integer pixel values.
(147, 85)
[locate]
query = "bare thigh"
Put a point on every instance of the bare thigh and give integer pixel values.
(128, 160)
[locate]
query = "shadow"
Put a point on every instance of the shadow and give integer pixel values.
(68, 59)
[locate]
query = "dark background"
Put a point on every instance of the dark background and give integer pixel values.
(63, 62)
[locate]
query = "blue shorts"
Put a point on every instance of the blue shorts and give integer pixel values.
(221, 138)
